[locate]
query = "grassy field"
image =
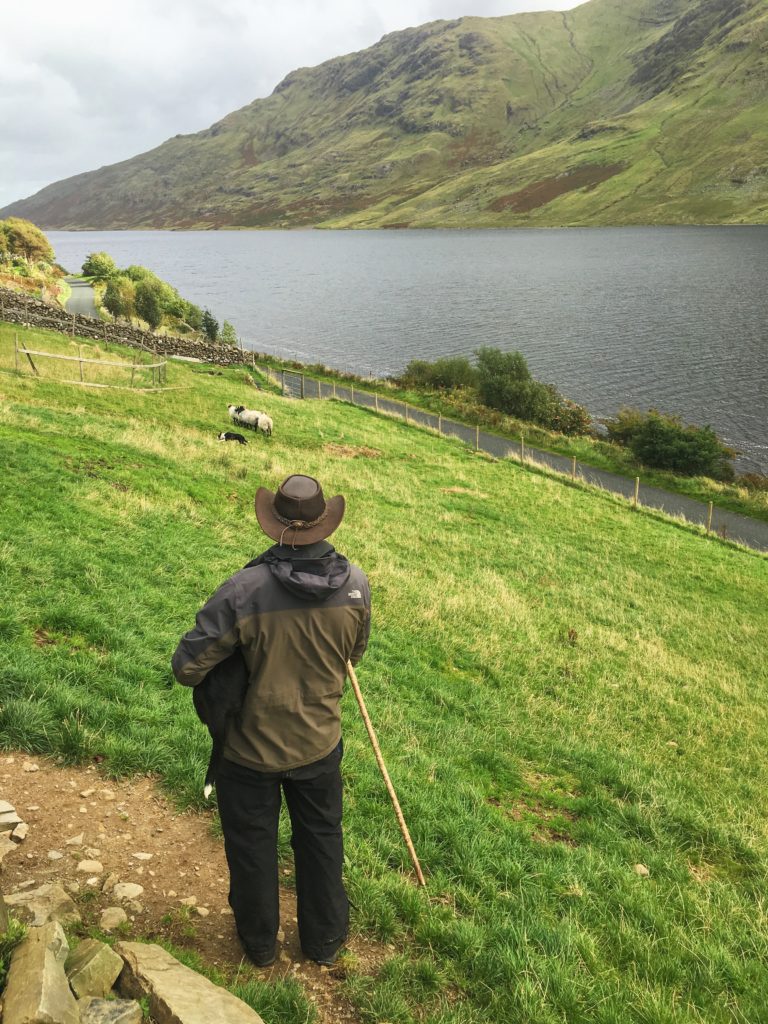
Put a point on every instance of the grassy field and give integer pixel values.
(563, 688)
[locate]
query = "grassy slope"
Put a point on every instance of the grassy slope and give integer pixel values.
(536, 651)
(436, 126)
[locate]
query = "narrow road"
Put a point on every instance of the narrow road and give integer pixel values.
(81, 299)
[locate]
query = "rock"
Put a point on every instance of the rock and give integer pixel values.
(75, 840)
(85, 793)
(6, 808)
(92, 968)
(641, 870)
(33, 807)
(175, 992)
(55, 855)
(203, 911)
(110, 882)
(106, 794)
(26, 884)
(6, 845)
(188, 901)
(109, 1011)
(9, 820)
(91, 867)
(73, 887)
(21, 832)
(92, 853)
(37, 989)
(143, 856)
(111, 918)
(47, 903)
(127, 890)
(30, 766)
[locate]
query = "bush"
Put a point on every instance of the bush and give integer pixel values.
(753, 481)
(210, 325)
(442, 375)
(120, 297)
(149, 301)
(100, 266)
(24, 239)
(665, 442)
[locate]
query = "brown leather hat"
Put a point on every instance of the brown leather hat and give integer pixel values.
(297, 513)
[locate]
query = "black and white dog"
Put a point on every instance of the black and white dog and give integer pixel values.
(219, 699)
(228, 435)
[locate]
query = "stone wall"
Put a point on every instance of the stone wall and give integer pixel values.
(16, 308)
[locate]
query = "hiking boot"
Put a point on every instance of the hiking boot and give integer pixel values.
(329, 959)
(259, 958)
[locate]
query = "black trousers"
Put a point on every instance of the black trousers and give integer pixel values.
(249, 806)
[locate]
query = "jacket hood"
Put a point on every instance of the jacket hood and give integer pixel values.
(312, 573)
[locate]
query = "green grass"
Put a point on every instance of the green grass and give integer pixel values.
(562, 688)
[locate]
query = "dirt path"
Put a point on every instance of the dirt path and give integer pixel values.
(180, 860)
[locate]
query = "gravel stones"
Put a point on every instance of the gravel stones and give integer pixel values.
(91, 867)
(94, 1010)
(127, 890)
(112, 918)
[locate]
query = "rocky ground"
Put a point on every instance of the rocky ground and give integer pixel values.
(93, 836)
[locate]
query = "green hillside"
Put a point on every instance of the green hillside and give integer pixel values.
(618, 112)
(563, 688)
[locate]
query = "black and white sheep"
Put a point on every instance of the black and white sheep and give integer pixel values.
(252, 418)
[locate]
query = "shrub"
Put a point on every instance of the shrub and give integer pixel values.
(100, 266)
(228, 334)
(210, 325)
(665, 442)
(753, 481)
(149, 304)
(120, 297)
(24, 239)
(443, 374)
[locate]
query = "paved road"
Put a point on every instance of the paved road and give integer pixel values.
(81, 299)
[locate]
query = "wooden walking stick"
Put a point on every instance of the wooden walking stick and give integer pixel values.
(385, 773)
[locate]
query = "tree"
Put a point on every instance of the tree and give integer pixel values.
(149, 303)
(664, 441)
(210, 325)
(120, 297)
(100, 266)
(228, 334)
(26, 240)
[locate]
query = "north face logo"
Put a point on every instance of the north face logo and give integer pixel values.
(354, 593)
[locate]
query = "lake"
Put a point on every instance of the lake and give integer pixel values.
(670, 318)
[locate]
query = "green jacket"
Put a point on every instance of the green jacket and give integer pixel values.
(296, 615)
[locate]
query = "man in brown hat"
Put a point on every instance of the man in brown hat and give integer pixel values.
(296, 613)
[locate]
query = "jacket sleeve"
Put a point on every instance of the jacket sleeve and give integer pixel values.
(364, 629)
(214, 638)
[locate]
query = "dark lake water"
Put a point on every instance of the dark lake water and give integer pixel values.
(671, 318)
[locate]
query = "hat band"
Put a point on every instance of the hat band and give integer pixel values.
(299, 524)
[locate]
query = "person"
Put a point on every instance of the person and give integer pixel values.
(296, 613)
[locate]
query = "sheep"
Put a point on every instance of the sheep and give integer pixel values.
(253, 418)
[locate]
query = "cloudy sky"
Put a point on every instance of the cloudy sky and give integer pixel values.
(90, 83)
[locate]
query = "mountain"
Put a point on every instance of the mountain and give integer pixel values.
(618, 112)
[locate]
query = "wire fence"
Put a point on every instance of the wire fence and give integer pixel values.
(715, 521)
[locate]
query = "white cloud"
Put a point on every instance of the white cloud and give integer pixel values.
(88, 84)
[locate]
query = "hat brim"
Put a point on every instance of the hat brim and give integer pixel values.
(276, 529)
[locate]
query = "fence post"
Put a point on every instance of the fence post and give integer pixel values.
(406, 411)
(80, 356)
(302, 385)
(522, 449)
(440, 423)
(637, 491)
(477, 437)
(334, 389)
(73, 325)
(282, 381)
(16, 349)
(573, 468)
(133, 367)
(376, 399)
(709, 517)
